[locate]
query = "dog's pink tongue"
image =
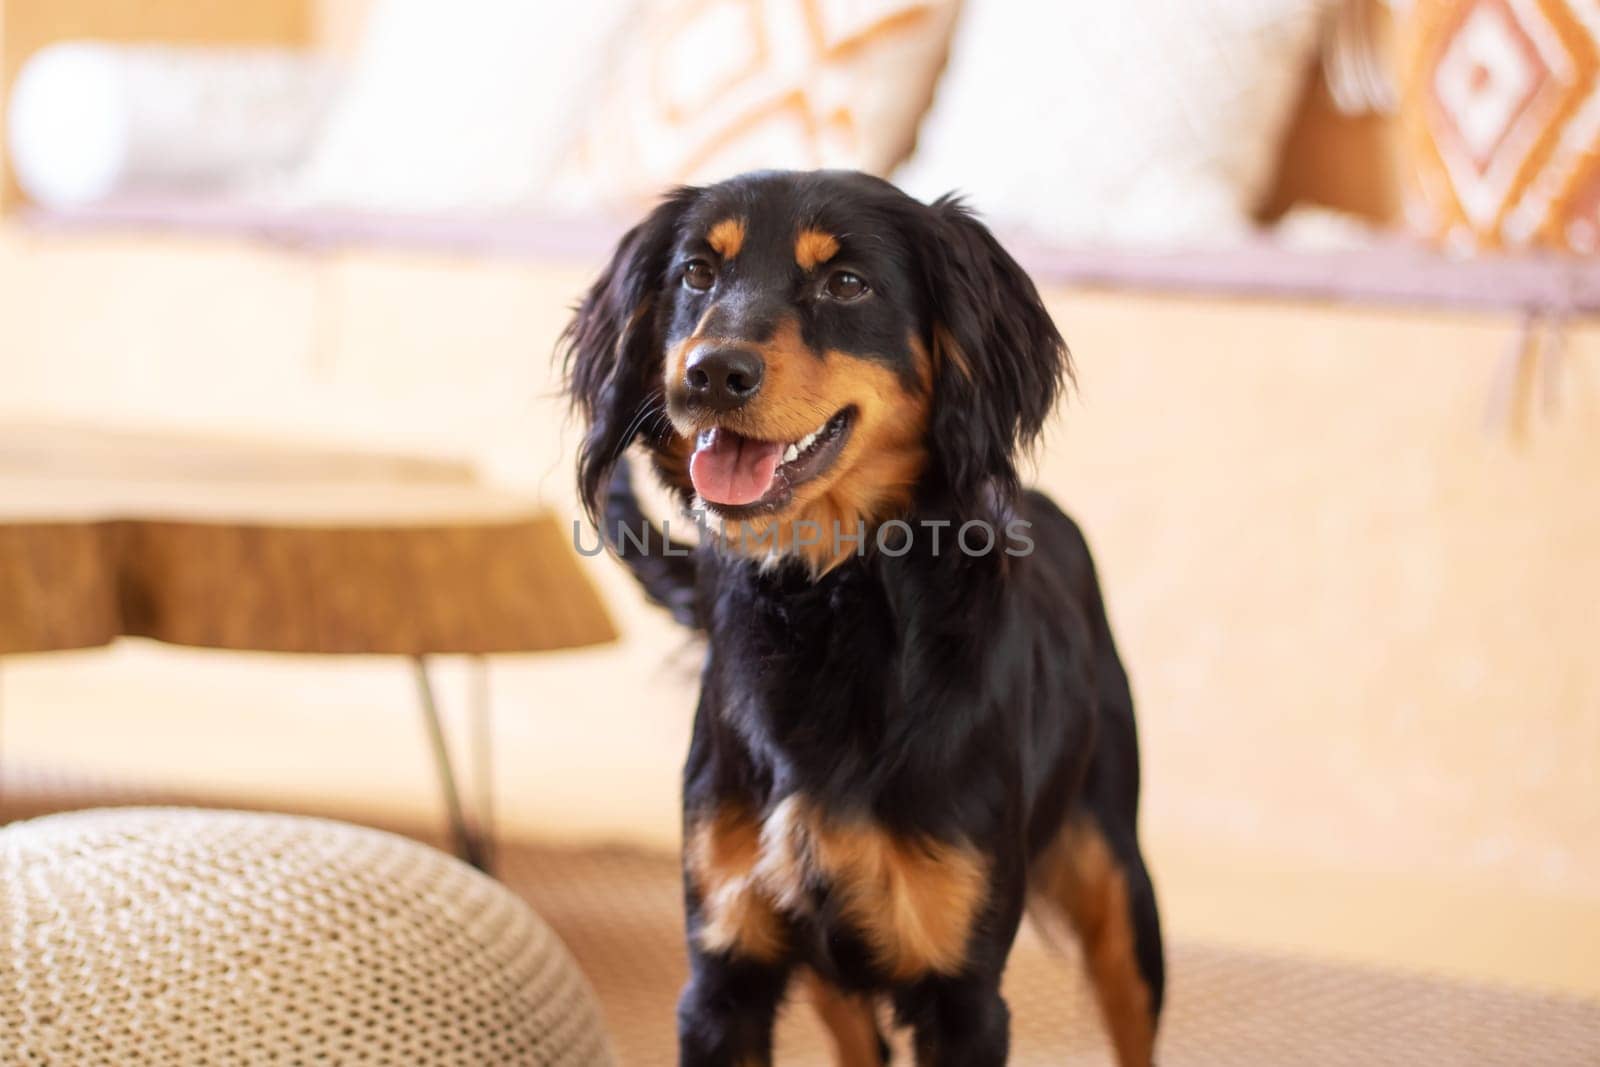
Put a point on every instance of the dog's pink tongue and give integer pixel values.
(729, 469)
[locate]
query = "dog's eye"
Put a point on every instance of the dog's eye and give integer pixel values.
(699, 275)
(846, 286)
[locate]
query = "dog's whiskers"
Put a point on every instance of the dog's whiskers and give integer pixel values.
(653, 405)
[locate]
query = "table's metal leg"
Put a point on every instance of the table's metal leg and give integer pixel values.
(483, 754)
(469, 846)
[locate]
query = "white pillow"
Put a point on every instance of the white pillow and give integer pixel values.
(90, 122)
(1135, 121)
(462, 106)
(706, 89)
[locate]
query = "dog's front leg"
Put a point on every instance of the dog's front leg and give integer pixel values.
(958, 1022)
(726, 1012)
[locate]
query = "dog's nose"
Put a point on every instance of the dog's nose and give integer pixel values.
(722, 378)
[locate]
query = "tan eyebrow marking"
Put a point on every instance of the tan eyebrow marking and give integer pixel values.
(726, 238)
(813, 247)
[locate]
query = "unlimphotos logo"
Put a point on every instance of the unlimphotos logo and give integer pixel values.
(894, 538)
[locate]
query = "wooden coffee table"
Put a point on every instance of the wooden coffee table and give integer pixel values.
(234, 544)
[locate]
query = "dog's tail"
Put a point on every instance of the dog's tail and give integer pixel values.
(664, 567)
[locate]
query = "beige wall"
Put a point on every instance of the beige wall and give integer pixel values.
(1360, 624)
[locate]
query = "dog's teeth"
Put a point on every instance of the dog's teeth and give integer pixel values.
(791, 454)
(808, 440)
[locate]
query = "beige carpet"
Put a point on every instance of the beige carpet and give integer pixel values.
(619, 913)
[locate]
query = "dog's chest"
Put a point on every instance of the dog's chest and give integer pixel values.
(809, 672)
(765, 885)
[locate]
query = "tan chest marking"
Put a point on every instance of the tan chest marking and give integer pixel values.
(737, 915)
(913, 901)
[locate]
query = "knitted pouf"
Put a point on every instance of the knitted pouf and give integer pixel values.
(176, 937)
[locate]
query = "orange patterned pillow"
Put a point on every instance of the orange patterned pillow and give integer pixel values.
(1500, 115)
(703, 89)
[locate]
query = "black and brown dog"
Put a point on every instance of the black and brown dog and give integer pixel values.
(913, 722)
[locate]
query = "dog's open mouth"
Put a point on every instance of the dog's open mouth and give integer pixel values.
(734, 472)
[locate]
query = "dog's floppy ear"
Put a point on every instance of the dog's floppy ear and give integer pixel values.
(612, 357)
(999, 362)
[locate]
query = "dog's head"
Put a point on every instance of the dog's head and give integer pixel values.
(813, 348)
